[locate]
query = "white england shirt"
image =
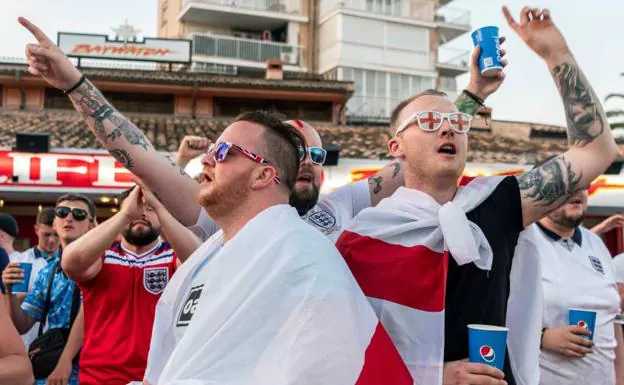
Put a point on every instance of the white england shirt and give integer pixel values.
(578, 273)
(619, 268)
(330, 214)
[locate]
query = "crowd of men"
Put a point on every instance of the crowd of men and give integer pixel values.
(252, 277)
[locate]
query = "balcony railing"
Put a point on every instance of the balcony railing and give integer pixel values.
(454, 57)
(450, 15)
(284, 6)
(258, 51)
(412, 9)
(371, 107)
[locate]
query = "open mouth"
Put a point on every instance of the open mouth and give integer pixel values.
(207, 177)
(304, 178)
(576, 201)
(448, 149)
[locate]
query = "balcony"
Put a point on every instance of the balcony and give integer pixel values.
(452, 22)
(370, 109)
(250, 14)
(453, 62)
(417, 10)
(239, 52)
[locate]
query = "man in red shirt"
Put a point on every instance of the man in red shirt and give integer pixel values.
(121, 282)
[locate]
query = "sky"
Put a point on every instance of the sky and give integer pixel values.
(593, 31)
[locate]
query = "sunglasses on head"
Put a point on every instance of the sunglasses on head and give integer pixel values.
(77, 214)
(222, 149)
(317, 154)
(431, 121)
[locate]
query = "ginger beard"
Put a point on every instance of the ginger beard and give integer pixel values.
(222, 198)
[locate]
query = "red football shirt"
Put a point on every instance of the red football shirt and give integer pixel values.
(119, 308)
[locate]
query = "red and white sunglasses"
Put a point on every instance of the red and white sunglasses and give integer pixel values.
(431, 121)
(222, 149)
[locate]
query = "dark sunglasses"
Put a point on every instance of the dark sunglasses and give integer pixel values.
(77, 214)
(317, 155)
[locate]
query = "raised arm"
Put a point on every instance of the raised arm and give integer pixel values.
(387, 180)
(592, 148)
(116, 133)
(82, 259)
(182, 240)
(15, 368)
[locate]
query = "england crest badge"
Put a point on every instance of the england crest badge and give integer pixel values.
(155, 279)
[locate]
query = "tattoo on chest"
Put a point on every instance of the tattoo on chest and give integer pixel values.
(376, 182)
(552, 181)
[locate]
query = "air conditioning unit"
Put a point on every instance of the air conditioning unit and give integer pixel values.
(288, 58)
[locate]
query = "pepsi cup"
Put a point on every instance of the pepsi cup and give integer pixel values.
(490, 61)
(487, 344)
(585, 319)
(23, 286)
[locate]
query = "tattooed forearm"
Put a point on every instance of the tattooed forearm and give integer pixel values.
(92, 105)
(397, 168)
(174, 164)
(466, 104)
(376, 182)
(583, 110)
(123, 158)
(549, 182)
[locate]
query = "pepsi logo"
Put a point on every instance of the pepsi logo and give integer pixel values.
(487, 353)
(582, 324)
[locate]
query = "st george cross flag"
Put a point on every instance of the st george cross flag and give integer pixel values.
(278, 306)
(398, 253)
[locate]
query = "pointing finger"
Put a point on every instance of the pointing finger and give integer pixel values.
(510, 20)
(37, 33)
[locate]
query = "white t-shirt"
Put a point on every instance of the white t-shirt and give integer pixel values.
(38, 264)
(582, 277)
(330, 214)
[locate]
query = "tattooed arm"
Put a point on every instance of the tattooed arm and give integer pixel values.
(130, 147)
(117, 134)
(592, 148)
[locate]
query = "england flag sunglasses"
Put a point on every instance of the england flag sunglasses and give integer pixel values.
(317, 154)
(78, 214)
(222, 149)
(431, 121)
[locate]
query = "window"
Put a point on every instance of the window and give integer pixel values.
(314, 111)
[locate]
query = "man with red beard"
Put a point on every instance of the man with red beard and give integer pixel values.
(121, 282)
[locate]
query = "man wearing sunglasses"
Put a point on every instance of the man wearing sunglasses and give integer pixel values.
(165, 178)
(74, 216)
(460, 241)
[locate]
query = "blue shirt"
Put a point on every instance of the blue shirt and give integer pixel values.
(4, 261)
(61, 295)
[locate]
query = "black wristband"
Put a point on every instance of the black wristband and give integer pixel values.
(474, 97)
(75, 86)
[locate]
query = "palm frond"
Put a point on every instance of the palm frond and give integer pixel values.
(617, 125)
(614, 113)
(609, 96)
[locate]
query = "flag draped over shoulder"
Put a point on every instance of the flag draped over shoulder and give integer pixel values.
(278, 306)
(398, 252)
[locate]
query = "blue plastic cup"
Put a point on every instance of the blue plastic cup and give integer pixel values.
(23, 286)
(487, 345)
(490, 61)
(583, 318)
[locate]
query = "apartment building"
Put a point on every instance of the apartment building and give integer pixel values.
(390, 49)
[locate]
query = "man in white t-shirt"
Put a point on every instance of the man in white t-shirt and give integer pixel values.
(618, 261)
(47, 248)
(577, 272)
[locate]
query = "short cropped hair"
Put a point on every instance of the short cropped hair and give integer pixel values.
(46, 216)
(281, 142)
(394, 117)
(79, 198)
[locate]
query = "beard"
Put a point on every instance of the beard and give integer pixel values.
(222, 200)
(303, 201)
(141, 238)
(567, 221)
